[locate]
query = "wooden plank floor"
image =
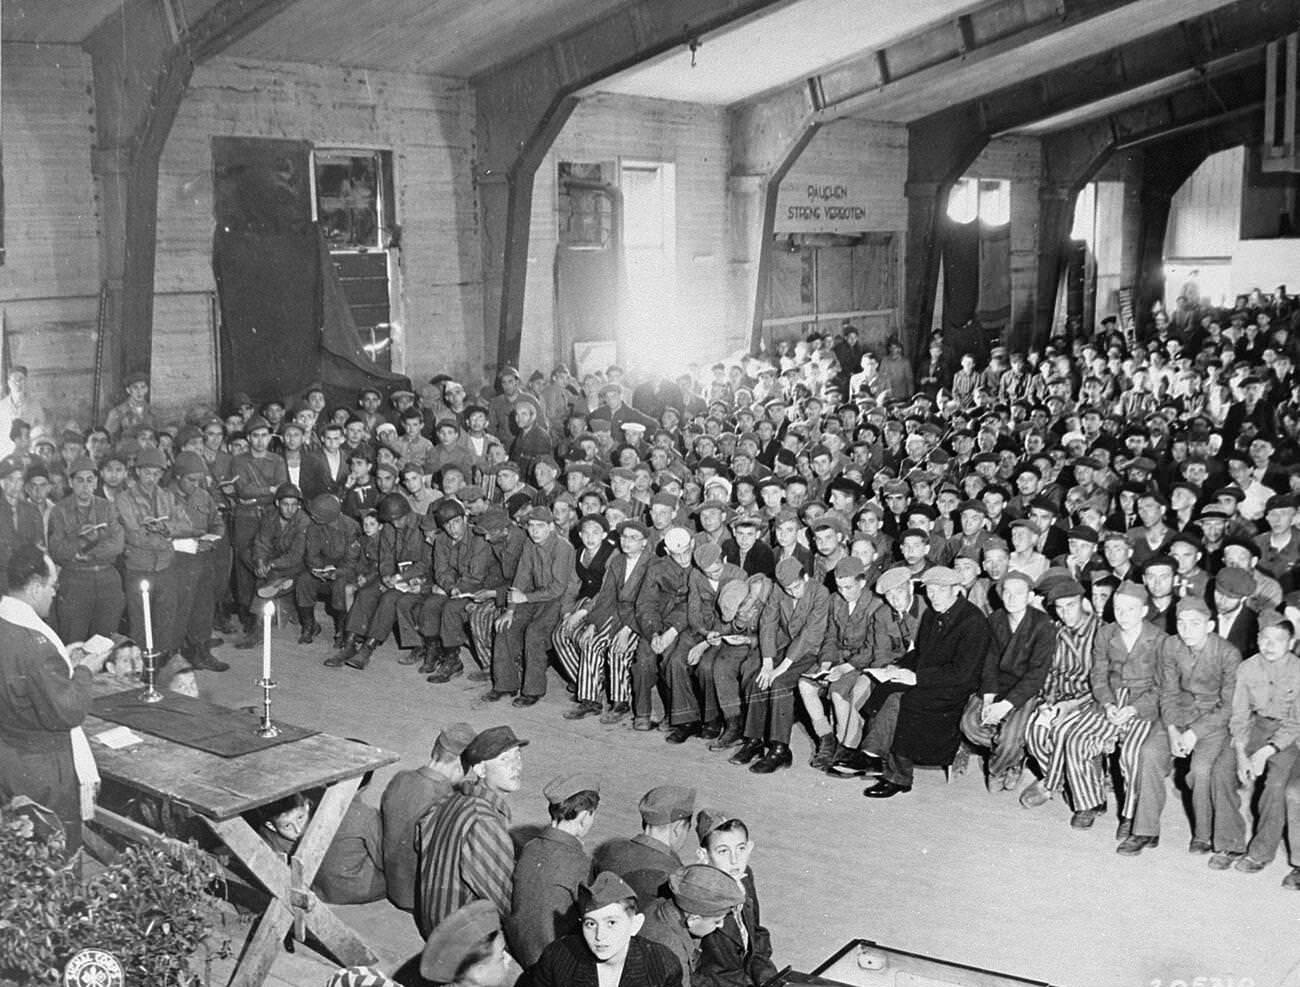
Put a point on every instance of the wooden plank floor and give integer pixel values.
(948, 870)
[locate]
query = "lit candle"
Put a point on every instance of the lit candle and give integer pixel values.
(148, 615)
(267, 612)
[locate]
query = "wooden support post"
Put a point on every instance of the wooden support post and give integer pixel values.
(141, 73)
(939, 149)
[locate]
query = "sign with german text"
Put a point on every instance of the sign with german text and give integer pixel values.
(813, 204)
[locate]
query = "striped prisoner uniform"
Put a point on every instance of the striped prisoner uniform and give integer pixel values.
(1065, 694)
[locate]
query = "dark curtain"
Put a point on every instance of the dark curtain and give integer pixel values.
(284, 319)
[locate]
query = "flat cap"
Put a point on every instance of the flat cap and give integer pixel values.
(1193, 604)
(566, 786)
(1280, 502)
(456, 937)
(850, 567)
(633, 525)
(788, 570)
(1024, 522)
(1136, 590)
(607, 889)
(287, 491)
(1019, 576)
(1083, 533)
(542, 515)
(833, 521)
(150, 459)
(256, 424)
(676, 539)
(977, 506)
(940, 575)
(1232, 581)
(666, 804)
(455, 738)
(84, 464)
(707, 820)
(185, 464)
(707, 554)
(492, 742)
(1061, 589)
(704, 890)
(892, 579)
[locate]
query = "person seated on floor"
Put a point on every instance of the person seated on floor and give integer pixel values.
(739, 953)
(1015, 668)
(352, 870)
(281, 824)
(544, 901)
(608, 951)
(940, 673)
(646, 860)
(409, 797)
(699, 899)
(468, 949)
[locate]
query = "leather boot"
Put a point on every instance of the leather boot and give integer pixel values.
(362, 658)
(749, 750)
(307, 626)
(206, 660)
(250, 638)
(346, 651)
(732, 735)
(824, 755)
(448, 668)
(777, 756)
(430, 656)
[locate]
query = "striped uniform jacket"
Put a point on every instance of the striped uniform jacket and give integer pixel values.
(465, 853)
(1070, 675)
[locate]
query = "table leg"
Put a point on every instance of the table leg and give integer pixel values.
(289, 885)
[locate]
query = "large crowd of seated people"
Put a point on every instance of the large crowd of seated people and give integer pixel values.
(1063, 560)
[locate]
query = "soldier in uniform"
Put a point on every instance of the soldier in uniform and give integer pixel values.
(86, 541)
(279, 548)
(134, 411)
(331, 548)
(544, 905)
(151, 517)
(646, 860)
(460, 566)
(20, 521)
(196, 572)
(258, 474)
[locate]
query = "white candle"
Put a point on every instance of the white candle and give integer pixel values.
(148, 615)
(267, 611)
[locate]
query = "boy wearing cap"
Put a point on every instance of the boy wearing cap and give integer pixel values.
(196, 572)
(258, 474)
(551, 868)
(1015, 669)
(331, 551)
(86, 540)
(662, 613)
(465, 850)
(699, 898)
(278, 548)
(1234, 621)
(411, 796)
(609, 951)
(739, 953)
(608, 637)
(532, 610)
(468, 950)
(460, 562)
(790, 635)
(135, 410)
(646, 860)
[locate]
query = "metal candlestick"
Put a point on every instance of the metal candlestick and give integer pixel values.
(150, 694)
(267, 729)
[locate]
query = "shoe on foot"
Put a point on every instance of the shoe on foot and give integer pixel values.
(494, 695)
(362, 658)
(1035, 795)
(430, 659)
(446, 671)
(615, 714)
(480, 676)
(307, 632)
(778, 756)
(1124, 830)
(731, 736)
(1292, 881)
(248, 640)
(522, 701)
(1248, 864)
(683, 732)
(1131, 846)
(824, 754)
(643, 724)
(885, 789)
(1084, 818)
(582, 710)
(205, 660)
(855, 764)
(1200, 847)
(1224, 859)
(749, 750)
(711, 731)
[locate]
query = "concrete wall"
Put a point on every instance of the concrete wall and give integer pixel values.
(49, 282)
(693, 138)
(426, 122)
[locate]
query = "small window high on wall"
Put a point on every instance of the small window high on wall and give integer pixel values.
(989, 199)
(353, 200)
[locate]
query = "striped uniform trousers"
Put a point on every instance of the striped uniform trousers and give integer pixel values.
(1086, 740)
(601, 655)
(564, 642)
(481, 632)
(1043, 739)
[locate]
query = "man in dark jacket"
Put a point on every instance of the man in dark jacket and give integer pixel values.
(1020, 653)
(646, 860)
(942, 672)
(740, 953)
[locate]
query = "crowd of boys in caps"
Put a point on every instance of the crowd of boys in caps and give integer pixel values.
(674, 904)
(1052, 558)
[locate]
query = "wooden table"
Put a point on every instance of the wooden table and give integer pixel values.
(220, 789)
